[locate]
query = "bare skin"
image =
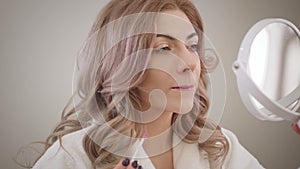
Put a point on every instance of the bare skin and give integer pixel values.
(179, 97)
(296, 128)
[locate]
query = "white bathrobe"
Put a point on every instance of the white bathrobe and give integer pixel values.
(185, 156)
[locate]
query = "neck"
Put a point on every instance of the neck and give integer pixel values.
(159, 125)
(158, 146)
(159, 134)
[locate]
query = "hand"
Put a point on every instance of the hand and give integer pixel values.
(296, 127)
(127, 164)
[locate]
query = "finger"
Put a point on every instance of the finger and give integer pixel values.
(134, 164)
(123, 164)
(127, 164)
(296, 128)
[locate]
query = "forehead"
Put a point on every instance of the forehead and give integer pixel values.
(174, 23)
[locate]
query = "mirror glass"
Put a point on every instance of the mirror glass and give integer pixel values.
(274, 62)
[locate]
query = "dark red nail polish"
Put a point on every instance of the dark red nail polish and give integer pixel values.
(134, 164)
(125, 162)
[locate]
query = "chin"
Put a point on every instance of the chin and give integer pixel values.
(183, 108)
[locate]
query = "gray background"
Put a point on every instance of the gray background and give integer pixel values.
(39, 41)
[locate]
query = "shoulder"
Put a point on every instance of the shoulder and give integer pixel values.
(238, 157)
(70, 154)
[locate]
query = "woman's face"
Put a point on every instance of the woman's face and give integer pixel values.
(174, 69)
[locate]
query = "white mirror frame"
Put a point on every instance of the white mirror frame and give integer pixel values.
(273, 110)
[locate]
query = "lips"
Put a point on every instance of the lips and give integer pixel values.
(188, 87)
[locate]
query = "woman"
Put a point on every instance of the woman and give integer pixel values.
(141, 100)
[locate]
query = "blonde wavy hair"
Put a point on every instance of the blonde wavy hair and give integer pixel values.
(104, 99)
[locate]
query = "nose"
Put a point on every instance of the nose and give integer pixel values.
(189, 60)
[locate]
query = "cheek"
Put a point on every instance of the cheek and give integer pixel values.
(197, 73)
(156, 79)
(178, 104)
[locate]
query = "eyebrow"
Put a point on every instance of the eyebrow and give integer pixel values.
(165, 36)
(191, 35)
(172, 38)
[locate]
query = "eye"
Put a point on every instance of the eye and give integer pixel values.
(162, 49)
(165, 48)
(194, 47)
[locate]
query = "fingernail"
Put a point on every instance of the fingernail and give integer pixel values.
(125, 162)
(134, 164)
(295, 126)
(140, 167)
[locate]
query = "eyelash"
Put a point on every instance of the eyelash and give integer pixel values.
(165, 48)
(193, 47)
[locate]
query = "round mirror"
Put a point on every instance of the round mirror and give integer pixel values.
(268, 70)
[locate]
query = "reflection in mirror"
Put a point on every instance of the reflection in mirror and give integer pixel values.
(274, 62)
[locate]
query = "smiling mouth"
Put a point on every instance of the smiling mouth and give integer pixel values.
(190, 87)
